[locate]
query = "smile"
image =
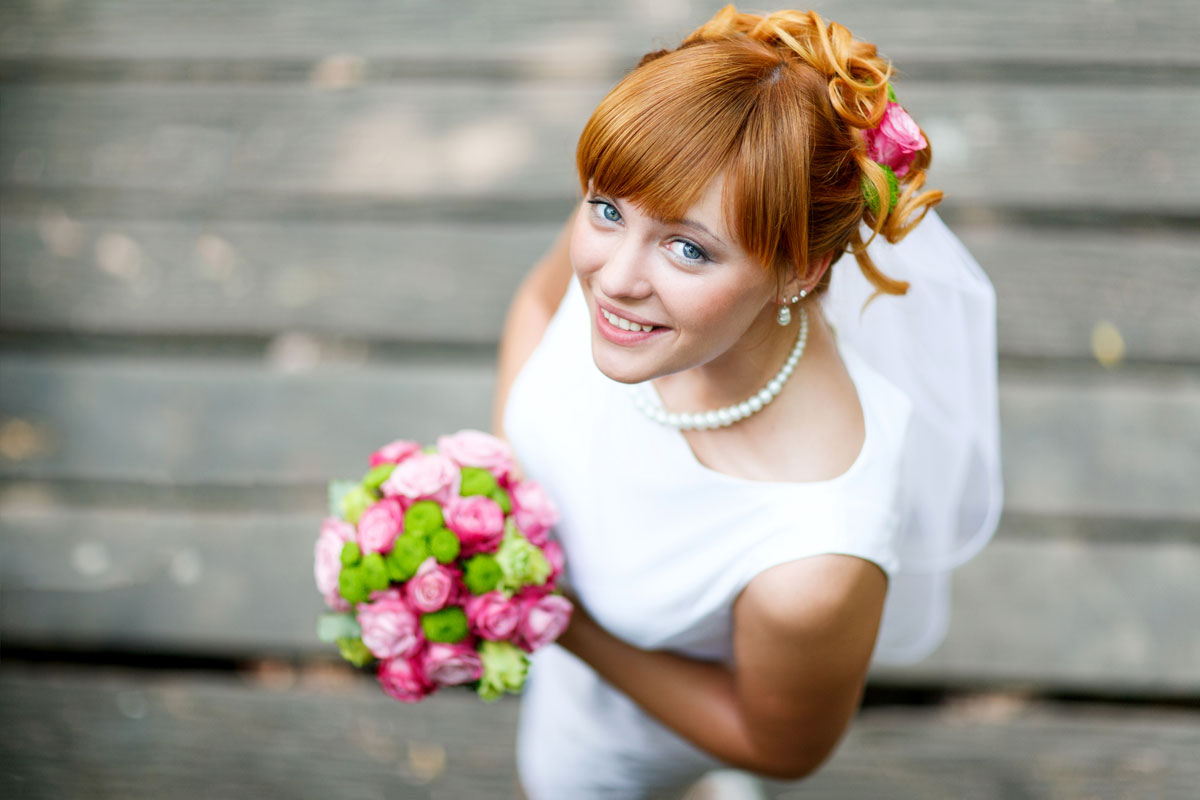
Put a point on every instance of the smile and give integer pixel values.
(625, 324)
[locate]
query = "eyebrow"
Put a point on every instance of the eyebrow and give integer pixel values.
(691, 223)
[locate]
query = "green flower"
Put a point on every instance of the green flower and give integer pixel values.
(521, 561)
(501, 498)
(352, 585)
(444, 545)
(354, 651)
(447, 625)
(477, 481)
(355, 502)
(424, 516)
(871, 195)
(482, 574)
(375, 572)
(376, 476)
(408, 553)
(504, 669)
(351, 554)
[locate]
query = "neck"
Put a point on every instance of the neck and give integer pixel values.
(740, 372)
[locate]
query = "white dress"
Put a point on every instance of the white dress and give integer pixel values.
(658, 546)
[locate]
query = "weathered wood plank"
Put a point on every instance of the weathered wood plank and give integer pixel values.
(1012, 145)
(576, 33)
(1123, 443)
(397, 281)
(84, 734)
(1044, 604)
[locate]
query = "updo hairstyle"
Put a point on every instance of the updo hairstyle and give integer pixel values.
(779, 103)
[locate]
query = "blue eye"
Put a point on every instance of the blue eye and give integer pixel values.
(607, 210)
(688, 251)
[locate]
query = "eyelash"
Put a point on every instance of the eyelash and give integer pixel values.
(600, 206)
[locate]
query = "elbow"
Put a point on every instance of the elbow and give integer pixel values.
(793, 760)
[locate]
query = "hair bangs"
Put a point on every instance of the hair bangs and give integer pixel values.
(665, 132)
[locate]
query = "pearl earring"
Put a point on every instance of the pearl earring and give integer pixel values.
(784, 317)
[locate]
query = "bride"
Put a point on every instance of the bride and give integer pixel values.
(767, 455)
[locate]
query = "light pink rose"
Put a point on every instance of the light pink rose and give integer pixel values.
(433, 587)
(379, 526)
(424, 476)
(327, 559)
(404, 679)
(470, 448)
(558, 561)
(533, 511)
(896, 141)
(493, 616)
(389, 627)
(394, 452)
(451, 664)
(478, 521)
(543, 620)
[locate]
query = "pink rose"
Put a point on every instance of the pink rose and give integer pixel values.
(896, 141)
(379, 526)
(389, 627)
(543, 620)
(394, 452)
(478, 521)
(477, 449)
(450, 664)
(533, 511)
(403, 679)
(558, 562)
(433, 587)
(327, 559)
(493, 616)
(424, 476)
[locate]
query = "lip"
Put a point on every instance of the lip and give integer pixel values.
(623, 337)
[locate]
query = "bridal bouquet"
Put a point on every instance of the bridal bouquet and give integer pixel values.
(439, 568)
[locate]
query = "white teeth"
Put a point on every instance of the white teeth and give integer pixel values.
(625, 324)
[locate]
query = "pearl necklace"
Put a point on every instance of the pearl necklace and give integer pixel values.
(721, 417)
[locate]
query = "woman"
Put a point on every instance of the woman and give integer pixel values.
(744, 495)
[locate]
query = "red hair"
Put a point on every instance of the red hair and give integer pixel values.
(778, 104)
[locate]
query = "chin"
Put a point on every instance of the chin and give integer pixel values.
(621, 370)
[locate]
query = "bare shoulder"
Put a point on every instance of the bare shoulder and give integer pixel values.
(803, 636)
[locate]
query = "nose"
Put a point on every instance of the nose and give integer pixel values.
(624, 274)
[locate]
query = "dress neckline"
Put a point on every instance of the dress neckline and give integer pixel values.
(679, 443)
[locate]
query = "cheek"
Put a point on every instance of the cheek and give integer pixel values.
(585, 250)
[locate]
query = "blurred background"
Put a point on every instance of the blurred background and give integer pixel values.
(243, 244)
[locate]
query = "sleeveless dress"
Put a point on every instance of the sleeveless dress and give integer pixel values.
(658, 547)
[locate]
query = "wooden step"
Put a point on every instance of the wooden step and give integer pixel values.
(445, 282)
(282, 732)
(995, 144)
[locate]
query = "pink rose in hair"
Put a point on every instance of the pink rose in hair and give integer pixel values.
(424, 476)
(493, 616)
(451, 664)
(543, 620)
(477, 449)
(394, 452)
(896, 141)
(433, 587)
(379, 526)
(478, 521)
(389, 627)
(403, 679)
(327, 560)
(533, 511)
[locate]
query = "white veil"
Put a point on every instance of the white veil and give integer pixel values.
(937, 344)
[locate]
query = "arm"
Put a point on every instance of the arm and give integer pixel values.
(803, 636)
(530, 312)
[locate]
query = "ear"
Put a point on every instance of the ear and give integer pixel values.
(809, 275)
